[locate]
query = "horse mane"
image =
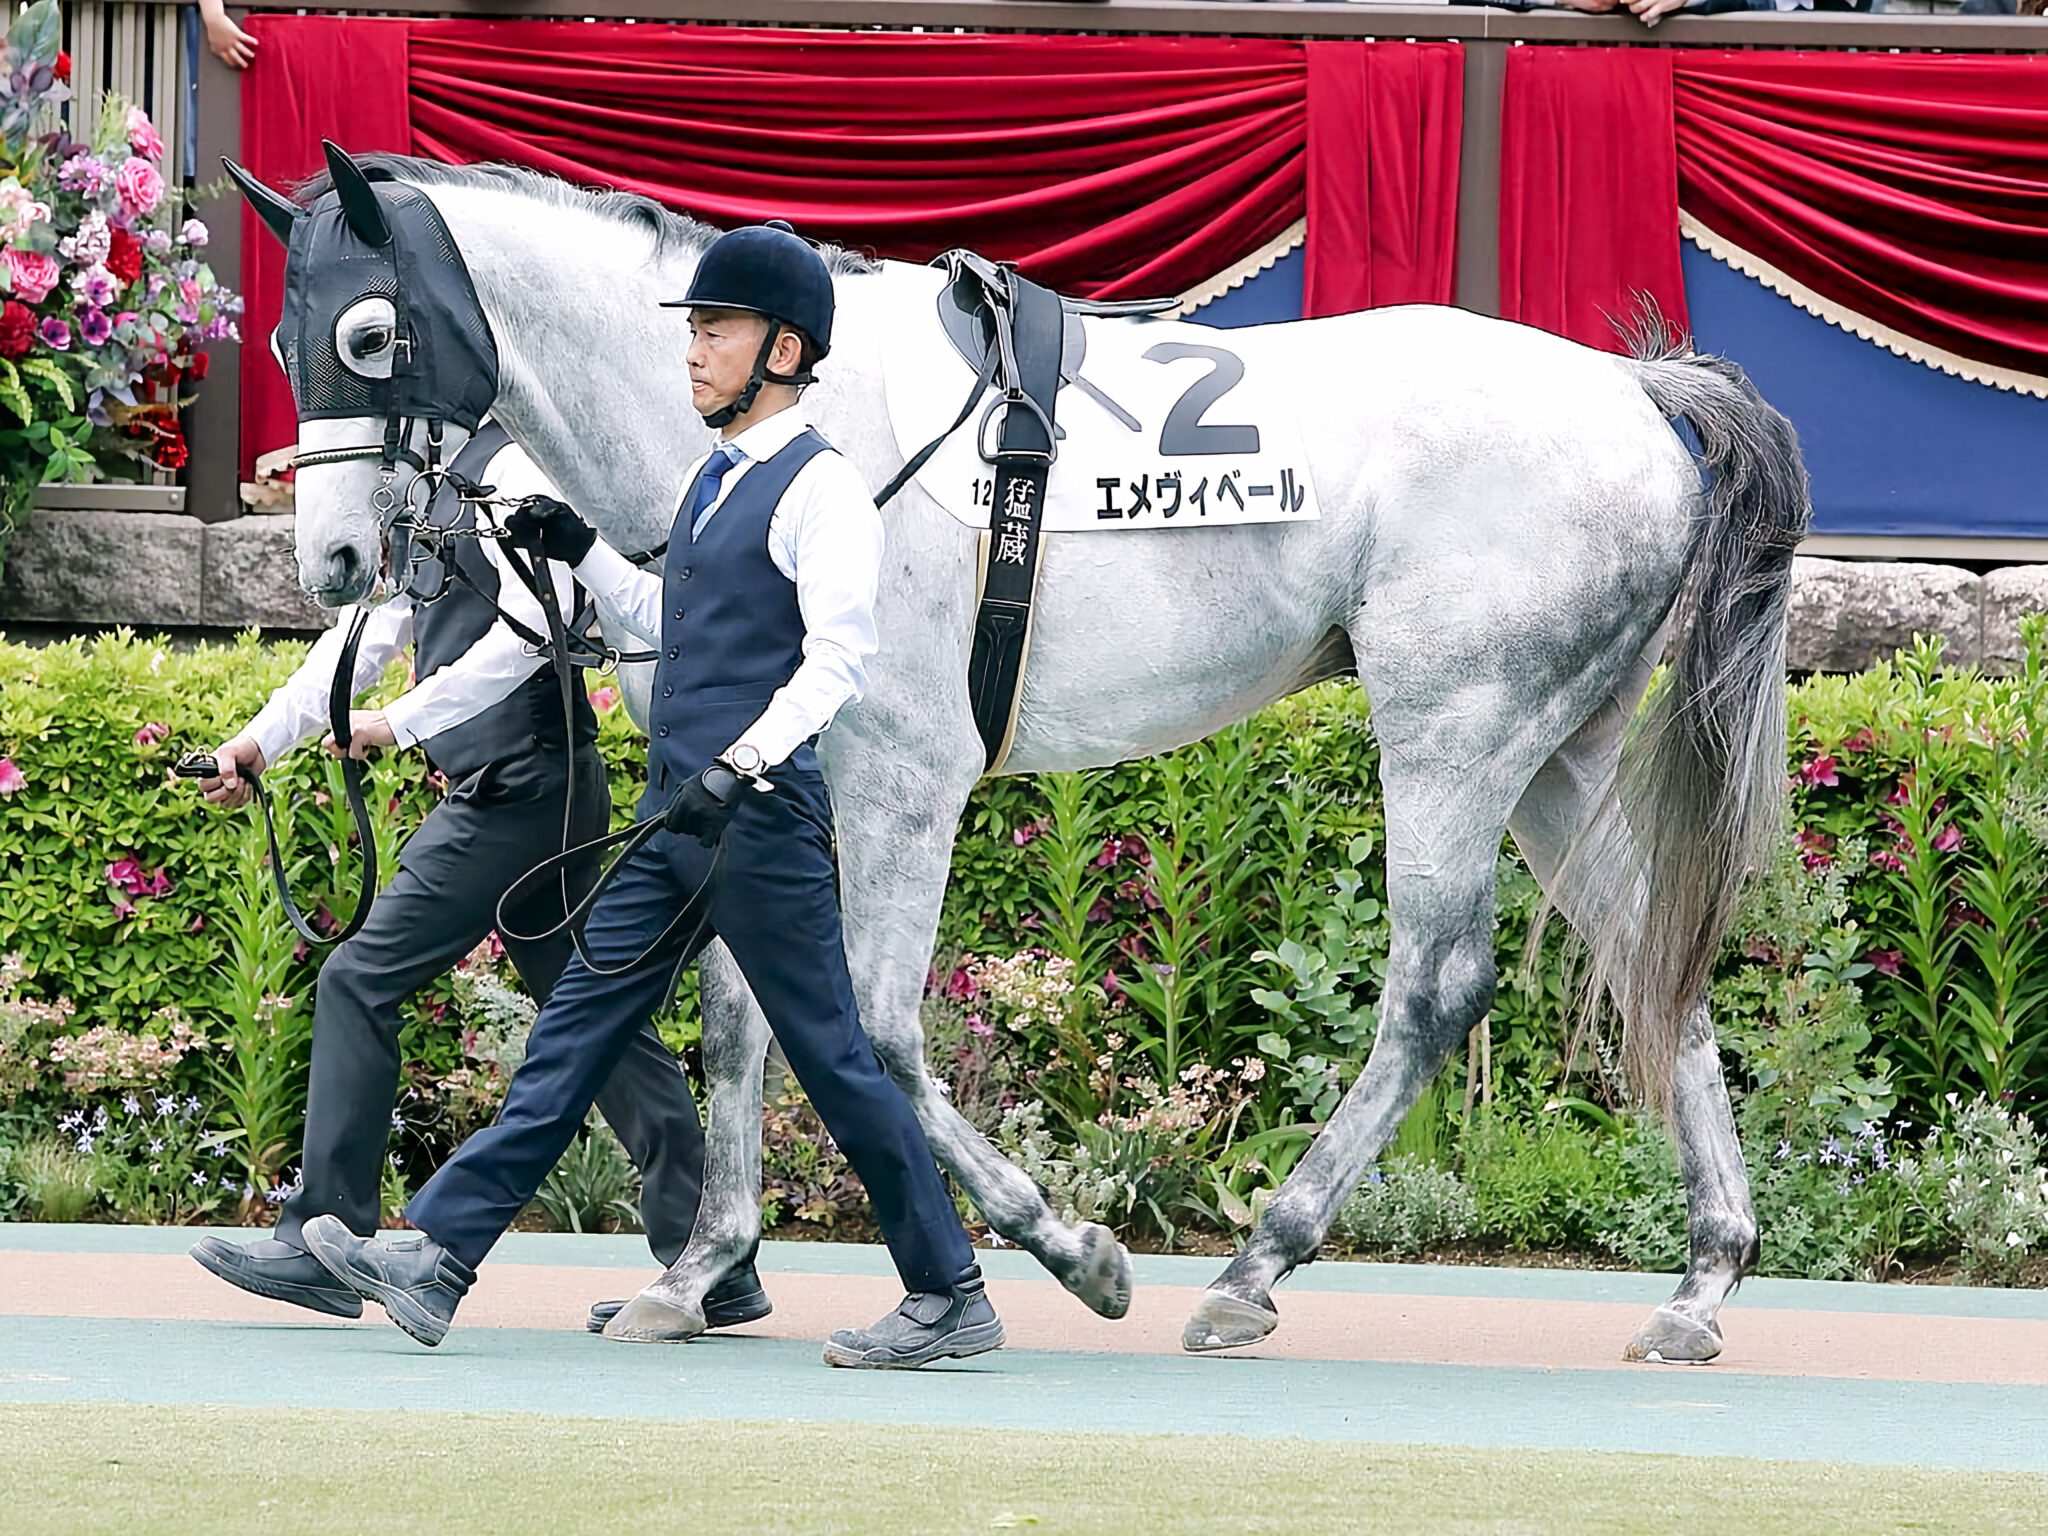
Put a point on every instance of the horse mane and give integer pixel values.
(672, 231)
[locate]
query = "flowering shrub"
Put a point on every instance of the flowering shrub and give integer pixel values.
(104, 298)
(107, 1058)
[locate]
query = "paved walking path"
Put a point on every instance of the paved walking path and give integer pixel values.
(1366, 1352)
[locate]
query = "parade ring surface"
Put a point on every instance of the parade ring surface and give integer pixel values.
(1400, 1398)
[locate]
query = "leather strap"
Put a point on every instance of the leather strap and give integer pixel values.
(1028, 337)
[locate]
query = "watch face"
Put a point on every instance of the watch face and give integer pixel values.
(746, 759)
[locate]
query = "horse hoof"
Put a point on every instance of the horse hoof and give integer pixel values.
(648, 1319)
(1672, 1338)
(1223, 1321)
(1103, 1278)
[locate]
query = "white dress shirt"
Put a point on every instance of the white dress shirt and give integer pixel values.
(826, 536)
(482, 676)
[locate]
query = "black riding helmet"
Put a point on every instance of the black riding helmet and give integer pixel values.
(768, 270)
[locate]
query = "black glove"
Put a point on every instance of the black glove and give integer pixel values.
(553, 526)
(705, 805)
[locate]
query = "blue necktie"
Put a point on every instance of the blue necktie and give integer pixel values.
(708, 480)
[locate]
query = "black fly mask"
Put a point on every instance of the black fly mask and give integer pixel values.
(380, 317)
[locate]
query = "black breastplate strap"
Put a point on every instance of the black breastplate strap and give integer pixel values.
(1028, 338)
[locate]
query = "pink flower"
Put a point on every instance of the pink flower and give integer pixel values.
(1949, 838)
(142, 136)
(198, 923)
(961, 986)
(1821, 770)
(159, 884)
(194, 234)
(55, 333)
(126, 873)
(12, 779)
(151, 734)
(94, 328)
(140, 186)
(604, 700)
(299, 952)
(979, 1027)
(497, 946)
(1099, 913)
(1885, 859)
(1862, 741)
(34, 274)
(123, 909)
(1900, 795)
(1885, 961)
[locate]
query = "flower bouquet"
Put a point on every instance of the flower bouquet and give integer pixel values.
(103, 297)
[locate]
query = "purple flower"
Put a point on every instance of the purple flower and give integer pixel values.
(83, 173)
(55, 333)
(96, 286)
(94, 328)
(158, 240)
(194, 233)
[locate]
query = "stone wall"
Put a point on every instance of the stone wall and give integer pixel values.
(154, 571)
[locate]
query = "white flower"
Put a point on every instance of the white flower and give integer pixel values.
(2014, 1240)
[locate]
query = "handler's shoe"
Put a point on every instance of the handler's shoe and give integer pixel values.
(736, 1299)
(280, 1271)
(926, 1326)
(417, 1281)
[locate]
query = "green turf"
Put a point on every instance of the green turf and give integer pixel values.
(152, 1471)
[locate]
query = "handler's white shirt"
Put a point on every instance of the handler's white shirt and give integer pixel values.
(482, 676)
(826, 536)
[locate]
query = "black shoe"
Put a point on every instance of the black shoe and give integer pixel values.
(926, 1326)
(280, 1271)
(736, 1299)
(417, 1281)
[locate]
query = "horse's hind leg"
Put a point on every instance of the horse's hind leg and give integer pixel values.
(896, 820)
(728, 1227)
(1721, 1230)
(1443, 840)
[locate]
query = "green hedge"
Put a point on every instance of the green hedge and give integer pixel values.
(1214, 921)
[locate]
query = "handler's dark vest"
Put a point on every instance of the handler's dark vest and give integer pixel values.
(530, 717)
(732, 633)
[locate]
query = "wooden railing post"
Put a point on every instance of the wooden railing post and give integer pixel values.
(214, 476)
(1478, 277)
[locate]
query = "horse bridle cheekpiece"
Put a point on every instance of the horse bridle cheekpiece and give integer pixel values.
(381, 318)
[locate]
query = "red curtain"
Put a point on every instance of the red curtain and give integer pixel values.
(1908, 188)
(1384, 129)
(1588, 191)
(316, 77)
(1102, 166)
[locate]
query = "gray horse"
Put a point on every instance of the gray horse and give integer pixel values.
(1511, 534)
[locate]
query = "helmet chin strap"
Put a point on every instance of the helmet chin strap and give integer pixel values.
(726, 415)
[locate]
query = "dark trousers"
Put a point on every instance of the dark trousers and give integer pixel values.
(776, 906)
(443, 900)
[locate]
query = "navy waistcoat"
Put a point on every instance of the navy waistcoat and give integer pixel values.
(444, 629)
(732, 633)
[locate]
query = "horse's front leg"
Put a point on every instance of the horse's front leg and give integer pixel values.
(728, 1226)
(896, 822)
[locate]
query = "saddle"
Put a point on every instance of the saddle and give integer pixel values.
(1029, 343)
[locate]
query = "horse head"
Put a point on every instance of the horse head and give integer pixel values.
(389, 355)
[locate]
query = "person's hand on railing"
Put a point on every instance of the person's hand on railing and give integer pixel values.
(230, 44)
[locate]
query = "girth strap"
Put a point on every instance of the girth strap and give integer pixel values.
(1028, 337)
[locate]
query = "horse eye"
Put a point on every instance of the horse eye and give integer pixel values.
(364, 335)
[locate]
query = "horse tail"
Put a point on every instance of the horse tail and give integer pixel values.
(1698, 792)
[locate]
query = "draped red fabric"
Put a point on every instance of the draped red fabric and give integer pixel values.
(1908, 188)
(317, 78)
(1385, 122)
(1588, 191)
(1102, 166)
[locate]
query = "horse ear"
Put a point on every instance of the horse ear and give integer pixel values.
(279, 213)
(359, 203)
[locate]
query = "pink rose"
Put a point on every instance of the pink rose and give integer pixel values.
(12, 779)
(34, 274)
(604, 699)
(142, 135)
(151, 734)
(140, 187)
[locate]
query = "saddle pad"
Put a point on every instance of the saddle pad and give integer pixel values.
(1162, 425)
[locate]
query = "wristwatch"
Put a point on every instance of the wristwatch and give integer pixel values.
(745, 759)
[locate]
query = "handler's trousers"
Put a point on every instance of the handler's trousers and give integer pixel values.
(775, 905)
(491, 829)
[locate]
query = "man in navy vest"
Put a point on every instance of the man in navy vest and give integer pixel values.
(488, 714)
(764, 619)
